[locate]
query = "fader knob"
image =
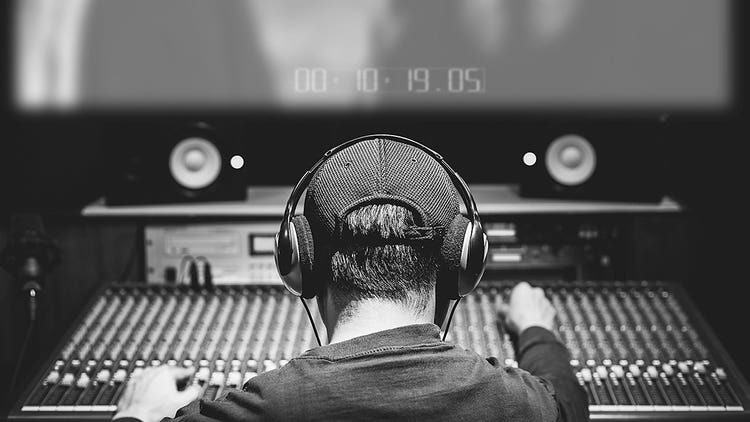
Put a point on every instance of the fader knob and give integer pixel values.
(586, 374)
(68, 379)
(234, 378)
(217, 378)
(635, 370)
(53, 377)
(618, 371)
(667, 368)
(601, 371)
(121, 374)
(103, 376)
(83, 381)
(203, 374)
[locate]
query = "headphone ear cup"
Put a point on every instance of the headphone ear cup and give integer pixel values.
(473, 258)
(464, 253)
(453, 243)
(306, 252)
(451, 252)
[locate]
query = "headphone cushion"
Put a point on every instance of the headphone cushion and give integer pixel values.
(305, 246)
(453, 243)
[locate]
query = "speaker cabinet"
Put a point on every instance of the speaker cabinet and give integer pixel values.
(158, 163)
(623, 161)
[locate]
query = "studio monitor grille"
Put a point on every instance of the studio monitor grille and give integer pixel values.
(570, 160)
(195, 163)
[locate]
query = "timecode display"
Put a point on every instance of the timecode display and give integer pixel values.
(412, 80)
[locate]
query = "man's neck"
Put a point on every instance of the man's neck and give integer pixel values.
(373, 315)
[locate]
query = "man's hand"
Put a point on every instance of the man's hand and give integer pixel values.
(153, 395)
(527, 307)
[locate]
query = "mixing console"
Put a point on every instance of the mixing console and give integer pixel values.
(639, 349)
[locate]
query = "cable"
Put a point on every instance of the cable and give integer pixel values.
(309, 315)
(450, 317)
(186, 259)
(208, 280)
(21, 356)
(193, 270)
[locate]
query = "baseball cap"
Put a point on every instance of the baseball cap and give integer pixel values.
(379, 170)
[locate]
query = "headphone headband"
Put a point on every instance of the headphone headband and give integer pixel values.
(458, 181)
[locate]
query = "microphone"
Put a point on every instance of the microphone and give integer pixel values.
(29, 255)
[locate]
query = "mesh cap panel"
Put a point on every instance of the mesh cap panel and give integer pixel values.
(378, 171)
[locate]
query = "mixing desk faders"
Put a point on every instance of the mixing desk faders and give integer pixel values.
(640, 350)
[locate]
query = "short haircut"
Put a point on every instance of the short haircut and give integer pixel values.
(375, 261)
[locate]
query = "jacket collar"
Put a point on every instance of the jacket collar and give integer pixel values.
(407, 336)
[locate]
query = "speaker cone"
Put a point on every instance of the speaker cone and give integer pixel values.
(195, 163)
(570, 160)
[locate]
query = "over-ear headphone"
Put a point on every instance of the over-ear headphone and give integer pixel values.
(463, 250)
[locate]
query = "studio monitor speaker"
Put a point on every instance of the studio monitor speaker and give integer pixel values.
(174, 163)
(607, 162)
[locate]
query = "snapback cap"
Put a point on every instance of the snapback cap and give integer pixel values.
(379, 170)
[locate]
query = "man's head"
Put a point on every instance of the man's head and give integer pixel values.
(378, 212)
(381, 222)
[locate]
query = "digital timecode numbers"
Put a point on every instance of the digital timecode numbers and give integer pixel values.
(456, 80)
(417, 80)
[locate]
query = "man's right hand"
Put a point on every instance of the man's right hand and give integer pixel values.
(527, 307)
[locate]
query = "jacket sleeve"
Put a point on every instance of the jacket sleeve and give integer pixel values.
(544, 356)
(234, 406)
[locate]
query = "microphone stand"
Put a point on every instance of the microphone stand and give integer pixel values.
(30, 253)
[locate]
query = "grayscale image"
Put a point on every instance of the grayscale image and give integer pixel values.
(374, 210)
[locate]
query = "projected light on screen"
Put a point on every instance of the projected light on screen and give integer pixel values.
(376, 54)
